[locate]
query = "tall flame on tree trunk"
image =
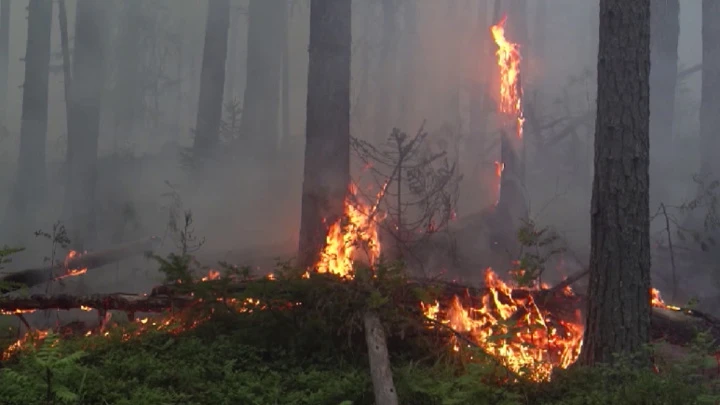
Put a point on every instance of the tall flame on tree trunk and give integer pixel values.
(508, 60)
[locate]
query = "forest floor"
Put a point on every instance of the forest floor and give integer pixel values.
(253, 359)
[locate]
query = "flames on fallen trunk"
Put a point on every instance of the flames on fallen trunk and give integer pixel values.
(531, 331)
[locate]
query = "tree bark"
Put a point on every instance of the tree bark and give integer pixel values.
(4, 59)
(664, 34)
(67, 64)
(212, 79)
(710, 102)
(618, 315)
(261, 104)
(380, 371)
(86, 99)
(30, 186)
(387, 68)
(327, 146)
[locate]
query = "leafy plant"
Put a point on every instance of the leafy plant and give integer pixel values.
(44, 374)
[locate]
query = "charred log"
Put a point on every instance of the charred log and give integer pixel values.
(37, 276)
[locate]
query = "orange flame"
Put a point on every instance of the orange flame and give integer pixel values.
(514, 330)
(508, 60)
(657, 301)
(71, 272)
(357, 229)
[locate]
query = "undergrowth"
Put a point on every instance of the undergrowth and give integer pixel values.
(286, 357)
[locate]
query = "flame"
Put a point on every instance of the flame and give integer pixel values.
(513, 330)
(508, 60)
(499, 168)
(212, 275)
(657, 301)
(72, 272)
(357, 229)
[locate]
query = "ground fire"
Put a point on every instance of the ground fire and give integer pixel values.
(505, 321)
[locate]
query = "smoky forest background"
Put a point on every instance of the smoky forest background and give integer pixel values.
(547, 140)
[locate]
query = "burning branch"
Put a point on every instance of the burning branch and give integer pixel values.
(76, 264)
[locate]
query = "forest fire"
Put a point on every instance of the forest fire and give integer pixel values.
(503, 320)
(355, 233)
(515, 331)
(508, 60)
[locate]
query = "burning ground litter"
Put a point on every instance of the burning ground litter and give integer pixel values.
(516, 326)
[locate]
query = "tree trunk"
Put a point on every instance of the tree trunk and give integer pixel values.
(67, 64)
(664, 34)
(710, 103)
(384, 105)
(4, 59)
(480, 62)
(285, 133)
(86, 99)
(618, 316)
(129, 92)
(30, 187)
(380, 371)
(327, 144)
(261, 104)
(232, 54)
(212, 79)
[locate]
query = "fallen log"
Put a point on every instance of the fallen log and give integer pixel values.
(677, 326)
(76, 265)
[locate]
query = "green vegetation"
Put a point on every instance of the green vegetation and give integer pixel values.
(259, 359)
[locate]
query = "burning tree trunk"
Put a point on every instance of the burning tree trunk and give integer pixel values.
(31, 176)
(86, 99)
(664, 34)
(261, 104)
(710, 102)
(4, 58)
(212, 78)
(327, 147)
(128, 92)
(618, 316)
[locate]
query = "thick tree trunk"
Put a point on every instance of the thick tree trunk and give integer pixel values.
(261, 104)
(86, 99)
(384, 104)
(30, 187)
(710, 102)
(327, 144)
(129, 92)
(212, 79)
(664, 34)
(618, 316)
(4, 59)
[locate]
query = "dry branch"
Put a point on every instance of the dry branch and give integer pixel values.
(380, 371)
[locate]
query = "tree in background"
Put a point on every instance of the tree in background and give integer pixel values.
(261, 104)
(212, 79)
(85, 106)
(618, 314)
(710, 102)
(664, 35)
(327, 145)
(4, 59)
(30, 185)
